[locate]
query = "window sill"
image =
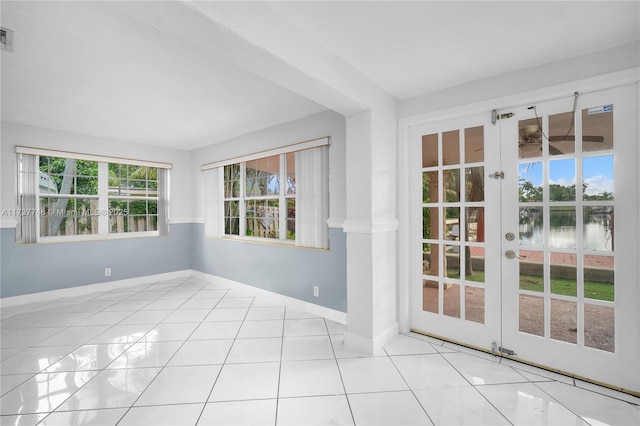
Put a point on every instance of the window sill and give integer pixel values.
(95, 237)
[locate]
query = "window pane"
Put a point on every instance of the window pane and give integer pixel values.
(430, 296)
(563, 324)
(68, 216)
(474, 144)
(68, 176)
(529, 138)
(475, 224)
(597, 128)
(531, 318)
(599, 283)
(430, 223)
(530, 182)
(562, 180)
(474, 183)
(291, 219)
(597, 182)
(562, 223)
(599, 327)
(599, 227)
(430, 187)
(133, 215)
(263, 218)
(451, 185)
(451, 147)
(564, 274)
(531, 226)
(263, 177)
(451, 300)
(291, 174)
(474, 304)
(562, 134)
(430, 150)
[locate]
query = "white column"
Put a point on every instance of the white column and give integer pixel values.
(371, 228)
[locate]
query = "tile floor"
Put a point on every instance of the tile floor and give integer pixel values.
(188, 352)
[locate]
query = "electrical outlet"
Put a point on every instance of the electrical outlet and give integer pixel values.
(107, 272)
(316, 291)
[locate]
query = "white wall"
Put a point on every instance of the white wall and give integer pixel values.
(316, 126)
(18, 134)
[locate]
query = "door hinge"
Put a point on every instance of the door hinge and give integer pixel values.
(497, 175)
(495, 116)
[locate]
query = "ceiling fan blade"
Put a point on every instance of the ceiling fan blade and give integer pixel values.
(572, 138)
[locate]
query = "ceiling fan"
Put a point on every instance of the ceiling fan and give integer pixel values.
(531, 139)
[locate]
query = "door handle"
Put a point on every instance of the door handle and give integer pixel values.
(510, 254)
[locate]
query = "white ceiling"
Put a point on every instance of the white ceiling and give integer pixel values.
(187, 75)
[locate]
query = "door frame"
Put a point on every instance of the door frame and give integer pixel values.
(524, 98)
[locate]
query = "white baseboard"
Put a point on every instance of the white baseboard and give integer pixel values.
(371, 346)
(290, 302)
(45, 296)
(287, 301)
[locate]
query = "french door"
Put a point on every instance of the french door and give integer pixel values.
(525, 233)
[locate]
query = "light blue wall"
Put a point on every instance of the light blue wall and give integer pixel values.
(290, 271)
(32, 268)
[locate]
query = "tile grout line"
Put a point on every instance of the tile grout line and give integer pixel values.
(224, 362)
(335, 358)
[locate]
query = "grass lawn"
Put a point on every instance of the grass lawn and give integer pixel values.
(563, 286)
(567, 287)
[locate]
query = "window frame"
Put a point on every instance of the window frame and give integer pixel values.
(242, 199)
(103, 197)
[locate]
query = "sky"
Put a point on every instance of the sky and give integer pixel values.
(597, 172)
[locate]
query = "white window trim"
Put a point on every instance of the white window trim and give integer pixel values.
(314, 143)
(90, 157)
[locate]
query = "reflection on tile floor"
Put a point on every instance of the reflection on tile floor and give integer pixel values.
(188, 352)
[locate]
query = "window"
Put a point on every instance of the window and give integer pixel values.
(280, 195)
(83, 196)
(256, 204)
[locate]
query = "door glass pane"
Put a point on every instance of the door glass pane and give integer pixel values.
(562, 227)
(430, 150)
(474, 264)
(430, 259)
(430, 292)
(529, 138)
(530, 182)
(562, 134)
(531, 318)
(451, 185)
(474, 304)
(451, 147)
(430, 223)
(597, 181)
(599, 282)
(599, 327)
(451, 300)
(564, 274)
(474, 184)
(531, 270)
(563, 319)
(430, 187)
(598, 228)
(453, 223)
(531, 226)
(474, 144)
(562, 180)
(597, 128)
(452, 261)
(474, 224)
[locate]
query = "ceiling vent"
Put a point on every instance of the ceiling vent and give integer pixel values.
(6, 39)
